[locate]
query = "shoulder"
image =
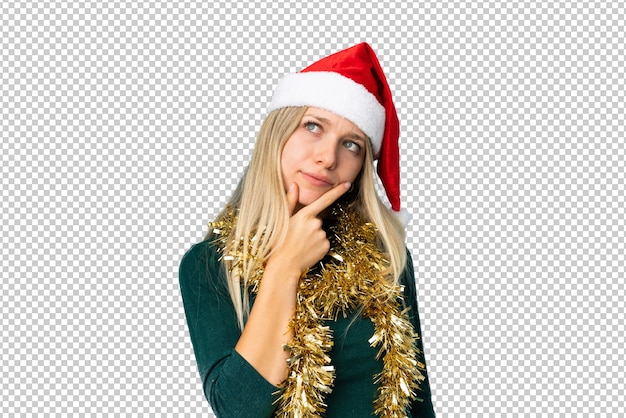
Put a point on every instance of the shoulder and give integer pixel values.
(199, 262)
(202, 251)
(408, 273)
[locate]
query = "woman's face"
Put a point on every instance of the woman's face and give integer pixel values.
(324, 151)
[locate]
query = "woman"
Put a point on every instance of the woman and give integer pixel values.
(301, 300)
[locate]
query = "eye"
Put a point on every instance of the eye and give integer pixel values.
(312, 127)
(352, 146)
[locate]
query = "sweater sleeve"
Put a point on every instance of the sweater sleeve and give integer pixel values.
(422, 407)
(231, 385)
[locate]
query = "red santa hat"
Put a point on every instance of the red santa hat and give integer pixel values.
(351, 84)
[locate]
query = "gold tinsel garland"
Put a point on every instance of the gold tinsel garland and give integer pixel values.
(352, 278)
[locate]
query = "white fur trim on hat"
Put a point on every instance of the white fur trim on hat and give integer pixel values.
(335, 93)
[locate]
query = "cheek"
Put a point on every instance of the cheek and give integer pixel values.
(354, 170)
(295, 151)
(285, 170)
(288, 159)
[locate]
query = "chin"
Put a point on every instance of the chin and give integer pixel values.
(305, 199)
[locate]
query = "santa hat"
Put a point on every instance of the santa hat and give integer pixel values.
(351, 84)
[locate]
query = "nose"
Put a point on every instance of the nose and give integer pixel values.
(326, 154)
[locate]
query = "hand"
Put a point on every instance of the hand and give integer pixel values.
(306, 242)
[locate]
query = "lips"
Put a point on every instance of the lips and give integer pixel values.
(317, 179)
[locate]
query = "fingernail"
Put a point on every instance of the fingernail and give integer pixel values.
(291, 187)
(347, 185)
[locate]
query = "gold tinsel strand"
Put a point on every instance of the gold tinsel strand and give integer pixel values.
(352, 278)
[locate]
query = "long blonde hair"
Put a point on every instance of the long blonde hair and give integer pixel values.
(263, 213)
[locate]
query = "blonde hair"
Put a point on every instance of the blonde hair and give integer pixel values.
(263, 213)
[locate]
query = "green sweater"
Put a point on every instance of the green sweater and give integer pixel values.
(235, 389)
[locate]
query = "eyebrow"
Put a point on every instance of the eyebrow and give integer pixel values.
(351, 135)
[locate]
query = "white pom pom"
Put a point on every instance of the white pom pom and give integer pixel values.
(404, 216)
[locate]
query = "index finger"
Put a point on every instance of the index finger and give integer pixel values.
(326, 199)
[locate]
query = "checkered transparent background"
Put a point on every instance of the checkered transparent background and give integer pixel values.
(125, 125)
